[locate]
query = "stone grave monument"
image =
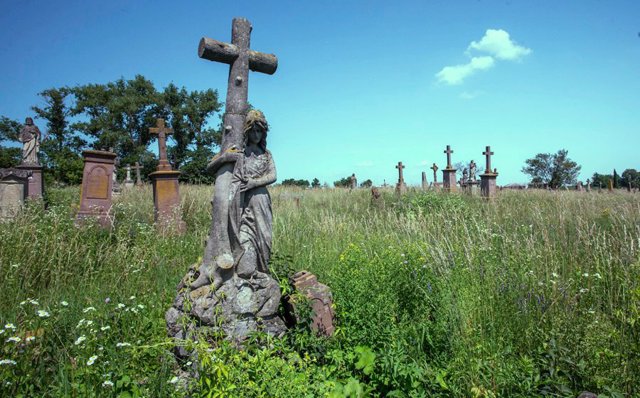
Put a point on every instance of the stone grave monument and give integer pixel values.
(579, 186)
(434, 167)
(97, 187)
(128, 182)
(166, 190)
(30, 137)
(231, 290)
(353, 181)
(13, 191)
(449, 173)
(588, 187)
(401, 187)
(424, 181)
(315, 294)
(488, 185)
(137, 168)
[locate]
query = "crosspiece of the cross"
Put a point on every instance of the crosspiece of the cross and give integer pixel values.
(488, 154)
(240, 59)
(448, 151)
(400, 166)
(162, 132)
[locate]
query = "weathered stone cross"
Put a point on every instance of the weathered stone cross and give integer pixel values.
(448, 151)
(162, 132)
(400, 166)
(488, 154)
(435, 169)
(240, 59)
(137, 168)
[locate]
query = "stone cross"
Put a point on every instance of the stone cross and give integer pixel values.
(435, 169)
(137, 168)
(240, 60)
(162, 132)
(488, 154)
(448, 151)
(128, 168)
(400, 166)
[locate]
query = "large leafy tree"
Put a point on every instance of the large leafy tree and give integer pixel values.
(9, 129)
(556, 170)
(630, 178)
(118, 115)
(601, 180)
(61, 149)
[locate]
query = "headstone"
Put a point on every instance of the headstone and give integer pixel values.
(30, 137)
(610, 185)
(128, 182)
(13, 192)
(579, 186)
(588, 185)
(137, 168)
(317, 296)
(488, 179)
(449, 173)
(376, 197)
(97, 186)
(353, 181)
(424, 181)
(231, 290)
(166, 190)
(401, 187)
(434, 167)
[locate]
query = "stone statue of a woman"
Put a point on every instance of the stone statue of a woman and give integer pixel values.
(30, 138)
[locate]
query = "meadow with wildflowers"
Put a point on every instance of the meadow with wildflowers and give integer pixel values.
(532, 294)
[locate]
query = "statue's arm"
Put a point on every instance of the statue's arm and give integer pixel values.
(268, 178)
(230, 155)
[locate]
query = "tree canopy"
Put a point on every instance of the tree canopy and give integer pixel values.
(556, 170)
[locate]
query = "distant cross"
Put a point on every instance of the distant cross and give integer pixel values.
(400, 166)
(435, 169)
(488, 154)
(162, 132)
(137, 168)
(448, 151)
(128, 168)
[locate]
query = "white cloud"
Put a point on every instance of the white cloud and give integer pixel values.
(456, 74)
(498, 43)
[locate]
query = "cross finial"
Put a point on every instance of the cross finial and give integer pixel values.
(448, 151)
(162, 133)
(488, 154)
(400, 166)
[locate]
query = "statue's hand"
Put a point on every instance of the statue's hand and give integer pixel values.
(247, 185)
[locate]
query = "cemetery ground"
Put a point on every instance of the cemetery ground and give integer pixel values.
(534, 293)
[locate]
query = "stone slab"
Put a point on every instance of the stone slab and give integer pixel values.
(97, 186)
(166, 200)
(322, 318)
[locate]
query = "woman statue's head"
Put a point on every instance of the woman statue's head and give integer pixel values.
(255, 122)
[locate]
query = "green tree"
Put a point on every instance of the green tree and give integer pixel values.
(557, 169)
(61, 149)
(366, 184)
(630, 178)
(296, 183)
(600, 180)
(616, 179)
(9, 129)
(315, 183)
(343, 182)
(118, 115)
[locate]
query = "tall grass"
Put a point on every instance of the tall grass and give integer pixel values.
(531, 294)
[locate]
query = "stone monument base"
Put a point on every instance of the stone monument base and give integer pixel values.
(13, 192)
(401, 188)
(449, 183)
(471, 187)
(488, 187)
(237, 308)
(35, 188)
(166, 200)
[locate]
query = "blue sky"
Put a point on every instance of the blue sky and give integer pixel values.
(363, 85)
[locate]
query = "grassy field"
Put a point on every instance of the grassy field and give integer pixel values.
(533, 294)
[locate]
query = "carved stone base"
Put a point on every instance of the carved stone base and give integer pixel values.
(237, 308)
(488, 187)
(35, 186)
(449, 180)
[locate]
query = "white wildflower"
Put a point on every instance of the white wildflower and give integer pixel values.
(7, 362)
(123, 345)
(33, 302)
(132, 298)
(105, 328)
(597, 275)
(174, 380)
(1, 331)
(586, 274)
(23, 302)
(30, 338)
(64, 303)
(591, 312)
(584, 290)
(107, 384)
(43, 314)
(80, 339)
(92, 360)
(10, 326)
(141, 306)
(555, 275)
(88, 309)
(14, 339)
(120, 305)
(80, 323)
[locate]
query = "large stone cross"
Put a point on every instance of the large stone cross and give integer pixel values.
(448, 151)
(400, 166)
(137, 168)
(435, 169)
(488, 154)
(240, 59)
(162, 132)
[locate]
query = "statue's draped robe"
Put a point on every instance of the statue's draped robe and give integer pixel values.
(29, 138)
(250, 215)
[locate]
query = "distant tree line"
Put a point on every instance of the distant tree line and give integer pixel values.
(117, 116)
(558, 170)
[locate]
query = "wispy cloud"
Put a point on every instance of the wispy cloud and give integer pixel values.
(496, 43)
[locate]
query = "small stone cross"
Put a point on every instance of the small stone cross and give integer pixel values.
(137, 168)
(400, 166)
(448, 151)
(488, 154)
(128, 168)
(435, 169)
(162, 132)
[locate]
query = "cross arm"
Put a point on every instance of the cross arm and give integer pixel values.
(217, 51)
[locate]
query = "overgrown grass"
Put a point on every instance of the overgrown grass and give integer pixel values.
(532, 294)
